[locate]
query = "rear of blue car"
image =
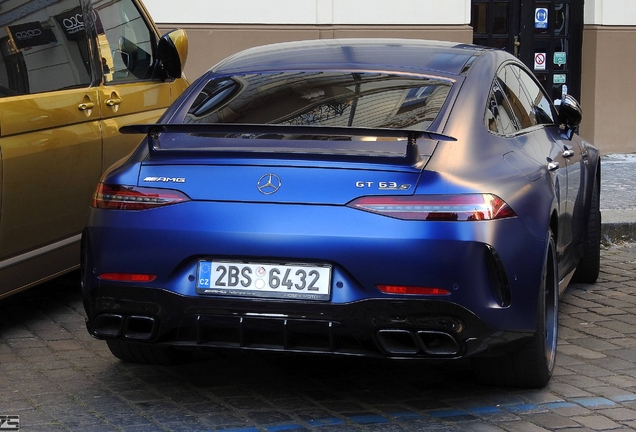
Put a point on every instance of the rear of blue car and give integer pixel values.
(296, 239)
(385, 284)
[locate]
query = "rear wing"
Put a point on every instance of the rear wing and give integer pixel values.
(329, 136)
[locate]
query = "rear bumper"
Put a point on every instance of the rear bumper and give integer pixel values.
(490, 269)
(413, 328)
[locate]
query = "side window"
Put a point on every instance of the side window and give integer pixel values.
(542, 106)
(125, 41)
(500, 118)
(516, 96)
(43, 47)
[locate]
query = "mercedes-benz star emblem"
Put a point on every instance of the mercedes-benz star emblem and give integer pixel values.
(268, 184)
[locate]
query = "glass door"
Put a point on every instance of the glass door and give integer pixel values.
(546, 35)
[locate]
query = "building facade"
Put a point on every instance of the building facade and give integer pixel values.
(587, 48)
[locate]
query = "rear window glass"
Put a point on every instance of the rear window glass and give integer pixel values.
(321, 99)
(326, 99)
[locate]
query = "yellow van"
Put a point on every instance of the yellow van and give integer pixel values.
(72, 72)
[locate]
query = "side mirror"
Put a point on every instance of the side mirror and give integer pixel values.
(173, 52)
(570, 115)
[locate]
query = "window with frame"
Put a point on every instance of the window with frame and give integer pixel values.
(125, 41)
(510, 84)
(43, 48)
(500, 118)
(542, 108)
(516, 102)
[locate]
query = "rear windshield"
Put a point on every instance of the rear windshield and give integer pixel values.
(322, 99)
(328, 99)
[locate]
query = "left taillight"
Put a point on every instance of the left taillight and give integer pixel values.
(122, 197)
(127, 277)
(466, 207)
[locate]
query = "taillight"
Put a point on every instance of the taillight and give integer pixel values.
(120, 197)
(468, 207)
(401, 289)
(127, 277)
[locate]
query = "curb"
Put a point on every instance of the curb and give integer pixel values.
(618, 232)
(618, 226)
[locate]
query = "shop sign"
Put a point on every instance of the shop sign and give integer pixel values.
(31, 34)
(72, 23)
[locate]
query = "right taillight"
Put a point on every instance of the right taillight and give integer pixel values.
(121, 197)
(465, 207)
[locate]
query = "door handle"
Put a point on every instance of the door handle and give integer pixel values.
(553, 166)
(113, 101)
(515, 47)
(86, 106)
(568, 153)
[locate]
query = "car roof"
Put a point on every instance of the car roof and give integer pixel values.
(395, 55)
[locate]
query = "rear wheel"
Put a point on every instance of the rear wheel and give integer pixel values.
(148, 354)
(589, 266)
(530, 365)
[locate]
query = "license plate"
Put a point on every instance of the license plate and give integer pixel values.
(289, 281)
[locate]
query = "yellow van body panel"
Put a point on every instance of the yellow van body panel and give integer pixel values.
(52, 158)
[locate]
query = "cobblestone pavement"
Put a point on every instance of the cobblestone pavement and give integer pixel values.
(57, 378)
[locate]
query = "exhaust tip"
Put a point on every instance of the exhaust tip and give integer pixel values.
(108, 325)
(397, 341)
(139, 327)
(437, 343)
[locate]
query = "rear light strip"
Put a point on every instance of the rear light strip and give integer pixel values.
(121, 197)
(467, 207)
(401, 289)
(127, 277)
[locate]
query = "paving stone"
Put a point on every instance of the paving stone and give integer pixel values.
(567, 390)
(596, 422)
(619, 414)
(551, 421)
(580, 352)
(522, 426)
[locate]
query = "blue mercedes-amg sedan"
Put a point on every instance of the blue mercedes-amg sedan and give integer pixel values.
(392, 198)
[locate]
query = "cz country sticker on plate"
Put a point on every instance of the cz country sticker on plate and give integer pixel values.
(287, 281)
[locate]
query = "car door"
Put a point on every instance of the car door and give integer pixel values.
(50, 145)
(564, 162)
(528, 118)
(132, 92)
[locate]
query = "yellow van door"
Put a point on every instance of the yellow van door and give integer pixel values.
(131, 92)
(50, 140)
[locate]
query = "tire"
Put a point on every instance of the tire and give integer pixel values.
(530, 365)
(132, 352)
(588, 269)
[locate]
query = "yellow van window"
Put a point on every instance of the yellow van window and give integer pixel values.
(44, 48)
(125, 41)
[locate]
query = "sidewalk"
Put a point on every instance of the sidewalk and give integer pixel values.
(618, 197)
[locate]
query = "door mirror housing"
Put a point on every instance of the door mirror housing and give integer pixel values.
(570, 115)
(173, 52)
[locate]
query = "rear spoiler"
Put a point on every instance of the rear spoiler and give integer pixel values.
(152, 131)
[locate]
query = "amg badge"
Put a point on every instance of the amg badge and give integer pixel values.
(165, 179)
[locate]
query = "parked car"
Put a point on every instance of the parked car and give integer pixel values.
(393, 198)
(72, 73)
